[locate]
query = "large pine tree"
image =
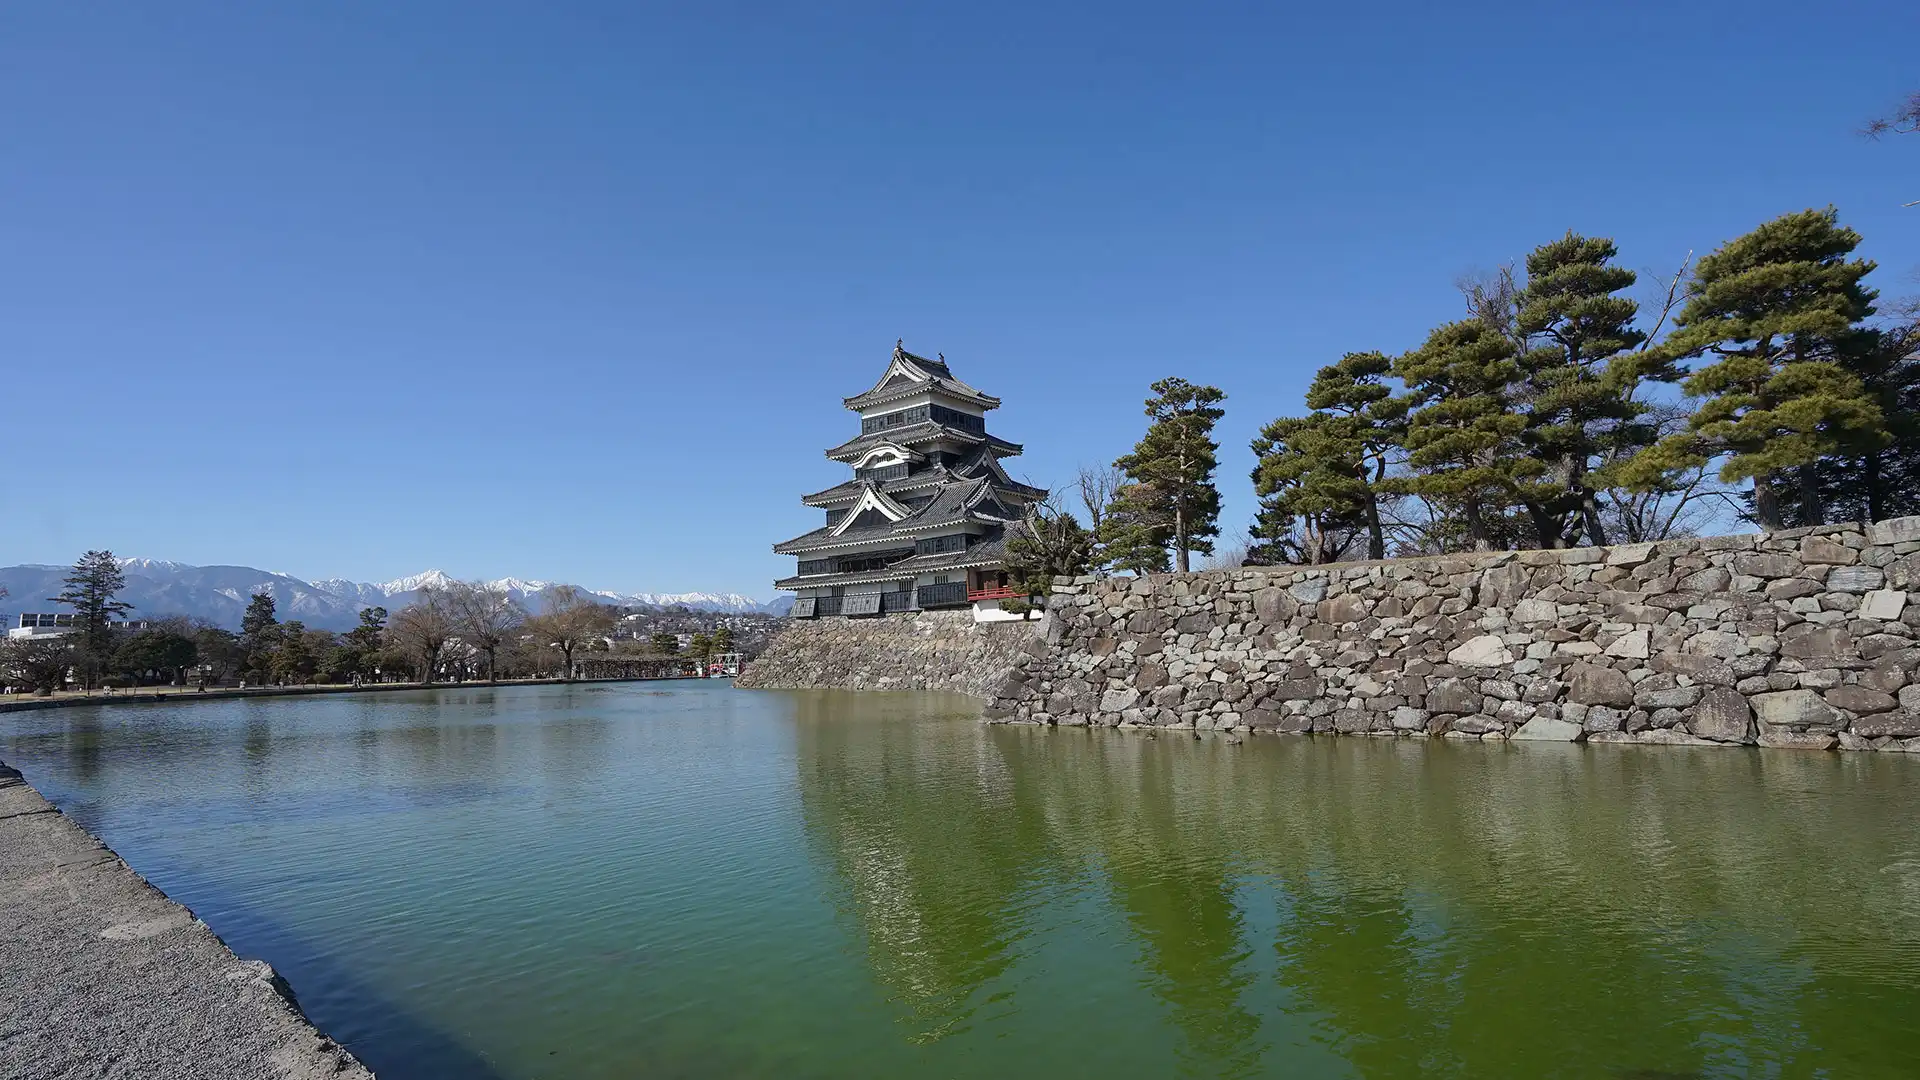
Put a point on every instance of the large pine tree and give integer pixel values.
(91, 587)
(1779, 309)
(1323, 475)
(1171, 469)
(1579, 375)
(1463, 439)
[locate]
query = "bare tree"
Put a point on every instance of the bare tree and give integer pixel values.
(1685, 503)
(572, 619)
(421, 630)
(484, 617)
(1098, 484)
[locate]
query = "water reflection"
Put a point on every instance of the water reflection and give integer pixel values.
(693, 881)
(1411, 908)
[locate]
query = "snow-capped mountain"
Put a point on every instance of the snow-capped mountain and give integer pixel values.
(156, 587)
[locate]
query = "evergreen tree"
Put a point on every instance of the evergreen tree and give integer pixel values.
(1779, 308)
(1171, 470)
(664, 643)
(1579, 375)
(1874, 474)
(700, 647)
(259, 635)
(359, 647)
(293, 662)
(1132, 538)
(90, 589)
(1328, 470)
(723, 640)
(1463, 440)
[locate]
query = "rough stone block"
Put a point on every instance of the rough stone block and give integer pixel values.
(1788, 739)
(1632, 645)
(1899, 723)
(1883, 604)
(1596, 684)
(1894, 531)
(1819, 549)
(1793, 708)
(1855, 579)
(1547, 729)
(1859, 699)
(1723, 715)
(1487, 650)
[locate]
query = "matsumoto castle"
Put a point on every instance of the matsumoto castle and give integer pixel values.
(923, 522)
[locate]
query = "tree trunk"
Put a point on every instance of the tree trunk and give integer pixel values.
(1180, 538)
(1813, 509)
(1376, 536)
(1476, 529)
(1590, 513)
(1876, 484)
(1766, 505)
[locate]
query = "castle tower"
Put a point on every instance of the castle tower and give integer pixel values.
(922, 524)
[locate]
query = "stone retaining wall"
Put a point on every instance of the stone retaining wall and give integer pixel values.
(925, 650)
(1803, 638)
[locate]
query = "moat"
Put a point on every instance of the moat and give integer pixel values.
(690, 880)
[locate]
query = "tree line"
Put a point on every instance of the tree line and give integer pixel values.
(1557, 412)
(458, 631)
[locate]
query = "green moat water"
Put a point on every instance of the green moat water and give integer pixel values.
(685, 880)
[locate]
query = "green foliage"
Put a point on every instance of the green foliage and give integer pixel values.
(700, 647)
(723, 640)
(664, 643)
(259, 636)
(1133, 537)
(90, 590)
(1580, 373)
(1463, 440)
(1321, 477)
(1779, 307)
(164, 650)
(1171, 470)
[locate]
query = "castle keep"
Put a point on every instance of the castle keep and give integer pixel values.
(922, 523)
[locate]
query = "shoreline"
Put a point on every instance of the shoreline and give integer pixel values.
(106, 971)
(228, 693)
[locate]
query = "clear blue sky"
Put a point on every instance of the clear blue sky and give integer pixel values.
(573, 291)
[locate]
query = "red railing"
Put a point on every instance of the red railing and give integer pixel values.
(993, 592)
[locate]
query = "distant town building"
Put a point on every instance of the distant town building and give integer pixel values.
(923, 522)
(34, 625)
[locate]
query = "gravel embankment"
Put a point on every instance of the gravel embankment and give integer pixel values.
(101, 975)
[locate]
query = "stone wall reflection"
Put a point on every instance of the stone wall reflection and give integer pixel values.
(1409, 907)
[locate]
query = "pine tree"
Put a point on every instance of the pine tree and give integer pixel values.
(1133, 537)
(1172, 468)
(1875, 474)
(1463, 440)
(1779, 308)
(259, 634)
(90, 589)
(1328, 470)
(1579, 377)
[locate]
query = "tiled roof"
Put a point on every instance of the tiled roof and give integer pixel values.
(956, 503)
(924, 431)
(934, 374)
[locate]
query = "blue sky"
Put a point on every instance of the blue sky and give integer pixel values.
(573, 291)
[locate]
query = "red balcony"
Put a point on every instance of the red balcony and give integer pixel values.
(994, 592)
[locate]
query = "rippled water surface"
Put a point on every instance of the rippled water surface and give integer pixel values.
(685, 880)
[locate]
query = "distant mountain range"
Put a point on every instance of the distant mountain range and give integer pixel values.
(219, 594)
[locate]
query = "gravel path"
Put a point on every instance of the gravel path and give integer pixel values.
(102, 976)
